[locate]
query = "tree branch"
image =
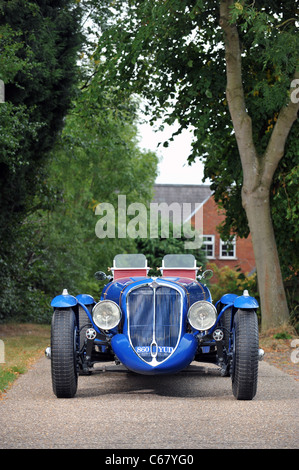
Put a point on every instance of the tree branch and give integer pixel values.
(275, 149)
(235, 96)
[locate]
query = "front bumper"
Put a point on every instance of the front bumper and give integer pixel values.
(178, 360)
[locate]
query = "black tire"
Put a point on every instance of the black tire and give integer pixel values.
(245, 355)
(64, 354)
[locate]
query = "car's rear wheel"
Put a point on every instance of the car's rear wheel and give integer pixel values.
(225, 323)
(245, 355)
(84, 324)
(64, 353)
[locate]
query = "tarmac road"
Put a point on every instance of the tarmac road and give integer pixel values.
(115, 409)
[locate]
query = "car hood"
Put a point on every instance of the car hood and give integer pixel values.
(116, 290)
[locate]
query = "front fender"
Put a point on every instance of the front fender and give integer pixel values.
(63, 301)
(245, 301)
(85, 299)
(228, 299)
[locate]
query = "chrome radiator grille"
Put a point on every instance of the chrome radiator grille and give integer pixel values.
(154, 321)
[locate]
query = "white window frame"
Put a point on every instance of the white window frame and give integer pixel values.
(209, 242)
(224, 256)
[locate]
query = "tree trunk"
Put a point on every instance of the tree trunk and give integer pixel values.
(258, 171)
(270, 283)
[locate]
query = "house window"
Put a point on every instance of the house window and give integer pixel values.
(208, 246)
(228, 249)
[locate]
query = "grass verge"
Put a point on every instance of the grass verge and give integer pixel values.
(21, 345)
(25, 343)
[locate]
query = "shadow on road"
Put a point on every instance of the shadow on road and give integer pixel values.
(196, 381)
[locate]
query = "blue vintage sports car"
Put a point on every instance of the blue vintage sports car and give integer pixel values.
(154, 325)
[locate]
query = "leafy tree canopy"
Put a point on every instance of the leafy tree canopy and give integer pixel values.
(39, 42)
(173, 53)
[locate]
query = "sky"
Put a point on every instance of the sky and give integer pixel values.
(173, 167)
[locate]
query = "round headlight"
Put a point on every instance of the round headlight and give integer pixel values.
(202, 315)
(106, 314)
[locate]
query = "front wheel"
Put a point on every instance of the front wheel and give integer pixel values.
(245, 355)
(64, 353)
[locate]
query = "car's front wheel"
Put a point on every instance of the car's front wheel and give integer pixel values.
(64, 353)
(245, 354)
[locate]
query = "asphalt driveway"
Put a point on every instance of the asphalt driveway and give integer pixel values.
(115, 409)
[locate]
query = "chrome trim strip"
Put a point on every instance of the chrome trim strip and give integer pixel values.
(151, 349)
(154, 320)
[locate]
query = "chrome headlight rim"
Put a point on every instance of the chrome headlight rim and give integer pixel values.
(101, 324)
(210, 311)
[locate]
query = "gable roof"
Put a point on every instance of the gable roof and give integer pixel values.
(181, 193)
(192, 194)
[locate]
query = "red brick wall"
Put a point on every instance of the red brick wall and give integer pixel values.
(244, 250)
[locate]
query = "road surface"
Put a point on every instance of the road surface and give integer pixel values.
(115, 409)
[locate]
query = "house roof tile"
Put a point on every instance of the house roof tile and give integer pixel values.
(182, 194)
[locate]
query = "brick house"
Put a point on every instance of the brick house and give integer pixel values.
(238, 254)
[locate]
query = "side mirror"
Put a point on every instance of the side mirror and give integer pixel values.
(208, 274)
(101, 276)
